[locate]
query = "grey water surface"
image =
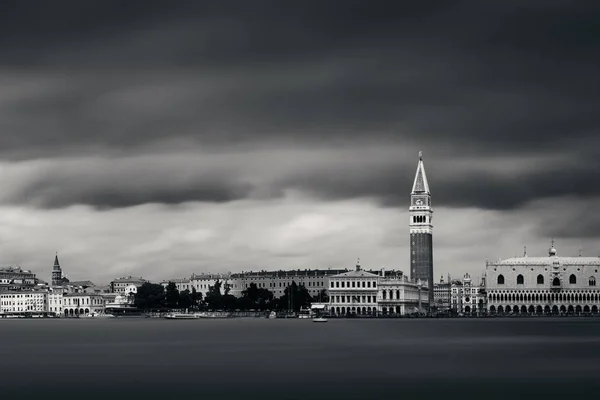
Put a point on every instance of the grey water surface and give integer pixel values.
(299, 359)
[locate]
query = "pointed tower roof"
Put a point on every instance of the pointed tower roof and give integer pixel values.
(56, 263)
(420, 185)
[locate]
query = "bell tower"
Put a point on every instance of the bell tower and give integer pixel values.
(421, 230)
(56, 272)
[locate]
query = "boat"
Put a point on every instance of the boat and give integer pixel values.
(304, 313)
(182, 316)
(320, 319)
(122, 307)
(272, 315)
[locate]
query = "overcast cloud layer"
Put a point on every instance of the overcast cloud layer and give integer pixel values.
(165, 138)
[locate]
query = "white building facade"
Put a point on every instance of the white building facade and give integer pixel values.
(399, 296)
(22, 302)
(353, 292)
(80, 304)
(360, 292)
(543, 285)
(55, 302)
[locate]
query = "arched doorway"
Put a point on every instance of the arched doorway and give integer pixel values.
(578, 309)
(87, 311)
(586, 309)
(500, 310)
(594, 309)
(554, 309)
(397, 309)
(467, 309)
(516, 309)
(563, 309)
(523, 310)
(492, 309)
(570, 310)
(539, 310)
(66, 312)
(531, 309)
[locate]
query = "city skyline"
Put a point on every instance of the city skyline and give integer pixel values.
(163, 141)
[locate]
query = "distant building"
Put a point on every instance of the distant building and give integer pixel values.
(16, 279)
(80, 304)
(119, 285)
(442, 295)
(353, 292)
(543, 285)
(362, 292)
(397, 295)
(468, 298)
(55, 302)
(200, 282)
(314, 280)
(23, 301)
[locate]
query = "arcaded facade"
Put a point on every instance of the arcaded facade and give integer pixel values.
(543, 285)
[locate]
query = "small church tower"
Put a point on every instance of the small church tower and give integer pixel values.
(57, 276)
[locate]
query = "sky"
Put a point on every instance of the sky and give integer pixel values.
(165, 138)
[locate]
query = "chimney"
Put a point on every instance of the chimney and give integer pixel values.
(383, 272)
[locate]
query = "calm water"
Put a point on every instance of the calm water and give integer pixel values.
(298, 359)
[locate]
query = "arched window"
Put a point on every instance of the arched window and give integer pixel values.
(572, 279)
(556, 282)
(592, 281)
(500, 279)
(540, 279)
(520, 279)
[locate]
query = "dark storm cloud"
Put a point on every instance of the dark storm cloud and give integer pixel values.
(468, 186)
(452, 78)
(106, 184)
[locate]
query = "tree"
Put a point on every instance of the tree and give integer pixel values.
(214, 298)
(196, 298)
(185, 299)
(322, 297)
(150, 296)
(256, 298)
(172, 295)
(294, 297)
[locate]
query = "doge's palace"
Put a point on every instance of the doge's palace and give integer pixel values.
(543, 285)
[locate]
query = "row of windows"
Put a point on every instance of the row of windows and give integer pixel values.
(354, 284)
(544, 297)
(353, 299)
(540, 280)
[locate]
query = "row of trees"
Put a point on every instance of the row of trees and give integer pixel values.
(152, 296)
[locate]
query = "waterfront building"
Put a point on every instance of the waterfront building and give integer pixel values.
(442, 295)
(120, 284)
(55, 302)
(421, 230)
(543, 285)
(314, 280)
(75, 304)
(353, 292)
(23, 301)
(397, 295)
(200, 282)
(361, 292)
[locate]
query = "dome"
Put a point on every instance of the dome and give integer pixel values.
(552, 251)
